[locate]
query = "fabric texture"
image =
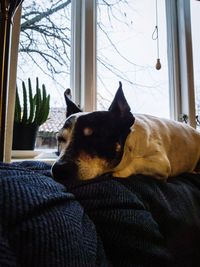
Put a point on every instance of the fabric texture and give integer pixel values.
(41, 224)
(137, 221)
(143, 221)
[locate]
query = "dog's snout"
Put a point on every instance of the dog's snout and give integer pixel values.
(64, 171)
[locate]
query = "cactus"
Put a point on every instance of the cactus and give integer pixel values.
(31, 102)
(36, 110)
(25, 108)
(17, 108)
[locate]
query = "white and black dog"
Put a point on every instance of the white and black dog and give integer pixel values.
(117, 142)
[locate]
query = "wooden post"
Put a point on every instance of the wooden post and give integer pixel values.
(8, 9)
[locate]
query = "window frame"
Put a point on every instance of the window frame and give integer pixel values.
(180, 63)
(12, 85)
(83, 56)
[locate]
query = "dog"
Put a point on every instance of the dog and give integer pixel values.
(118, 142)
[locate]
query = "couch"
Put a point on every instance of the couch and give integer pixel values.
(137, 221)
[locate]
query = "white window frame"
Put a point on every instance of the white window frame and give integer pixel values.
(83, 55)
(181, 80)
(180, 60)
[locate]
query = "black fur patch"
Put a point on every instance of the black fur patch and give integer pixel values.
(107, 131)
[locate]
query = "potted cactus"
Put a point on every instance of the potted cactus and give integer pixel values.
(29, 115)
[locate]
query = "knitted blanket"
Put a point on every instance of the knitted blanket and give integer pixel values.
(138, 221)
(143, 221)
(41, 224)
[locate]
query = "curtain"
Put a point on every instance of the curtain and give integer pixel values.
(7, 11)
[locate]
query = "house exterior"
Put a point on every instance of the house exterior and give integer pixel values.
(46, 137)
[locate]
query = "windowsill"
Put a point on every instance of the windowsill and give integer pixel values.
(46, 155)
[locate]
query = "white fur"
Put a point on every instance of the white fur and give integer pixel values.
(159, 147)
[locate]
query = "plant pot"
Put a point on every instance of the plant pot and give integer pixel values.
(24, 136)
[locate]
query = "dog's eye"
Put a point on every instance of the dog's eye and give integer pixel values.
(60, 144)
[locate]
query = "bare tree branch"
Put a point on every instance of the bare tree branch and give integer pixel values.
(44, 14)
(46, 32)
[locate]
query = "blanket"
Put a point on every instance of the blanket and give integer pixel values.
(143, 221)
(41, 224)
(137, 221)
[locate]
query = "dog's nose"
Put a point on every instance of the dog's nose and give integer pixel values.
(64, 171)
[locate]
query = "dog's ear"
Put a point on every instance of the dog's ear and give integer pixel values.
(71, 107)
(119, 104)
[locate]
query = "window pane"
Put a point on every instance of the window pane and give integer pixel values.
(127, 52)
(44, 52)
(195, 11)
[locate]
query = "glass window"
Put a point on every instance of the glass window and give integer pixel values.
(127, 51)
(44, 52)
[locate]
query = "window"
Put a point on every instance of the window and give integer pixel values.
(181, 82)
(127, 48)
(102, 50)
(44, 52)
(168, 92)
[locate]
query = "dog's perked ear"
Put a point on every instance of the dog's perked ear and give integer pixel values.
(119, 104)
(120, 109)
(71, 107)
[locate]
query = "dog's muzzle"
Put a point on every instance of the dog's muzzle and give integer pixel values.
(64, 170)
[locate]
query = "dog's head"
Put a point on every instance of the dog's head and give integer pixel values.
(92, 144)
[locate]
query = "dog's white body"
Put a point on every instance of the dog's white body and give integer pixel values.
(159, 147)
(118, 142)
